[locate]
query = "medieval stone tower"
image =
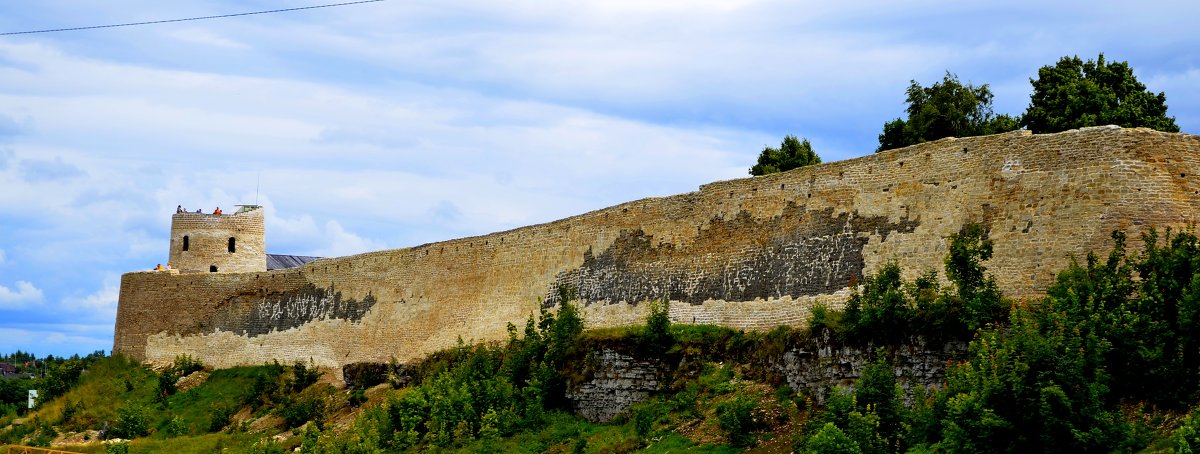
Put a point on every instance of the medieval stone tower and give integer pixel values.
(219, 242)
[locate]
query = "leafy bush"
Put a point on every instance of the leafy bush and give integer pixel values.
(266, 446)
(656, 337)
(221, 415)
(823, 320)
(645, 415)
(132, 422)
(876, 391)
(882, 311)
(890, 311)
(1187, 437)
(266, 388)
(303, 376)
(70, 407)
(307, 407)
(479, 392)
(977, 291)
(15, 392)
(59, 380)
(357, 397)
(183, 366)
(311, 443)
(736, 418)
(831, 440)
(857, 421)
(174, 427)
(166, 385)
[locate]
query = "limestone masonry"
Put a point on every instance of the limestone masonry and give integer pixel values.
(751, 253)
(216, 243)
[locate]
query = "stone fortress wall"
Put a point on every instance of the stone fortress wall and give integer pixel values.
(750, 253)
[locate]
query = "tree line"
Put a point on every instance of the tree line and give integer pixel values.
(50, 375)
(1070, 94)
(1114, 345)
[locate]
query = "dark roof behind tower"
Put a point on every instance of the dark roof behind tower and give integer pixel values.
(282, 262)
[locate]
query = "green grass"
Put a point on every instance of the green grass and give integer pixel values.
(118, 382)
(106, 386)
(564, 433)
(200, 444)
(227, 388)
(615, 333)
(673, 442)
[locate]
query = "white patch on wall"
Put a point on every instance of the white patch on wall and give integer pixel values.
(1012, 167)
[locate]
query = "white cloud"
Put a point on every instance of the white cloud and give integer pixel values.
(334, 154)
(58, 339)
(101, 304)
(44, 170)
(24, 294)
(205, 37)
(339, 242)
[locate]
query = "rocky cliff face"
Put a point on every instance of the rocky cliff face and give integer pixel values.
(818, 368)
(615, 381)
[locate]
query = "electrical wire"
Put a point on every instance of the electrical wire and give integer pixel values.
(187, 19)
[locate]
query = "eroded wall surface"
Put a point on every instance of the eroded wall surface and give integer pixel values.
(750, 253)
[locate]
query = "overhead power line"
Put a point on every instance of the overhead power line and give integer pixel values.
(92, 27)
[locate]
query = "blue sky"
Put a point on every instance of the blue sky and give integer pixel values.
(397, 123)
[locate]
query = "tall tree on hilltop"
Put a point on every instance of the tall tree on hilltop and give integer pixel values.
(791, 154)
(944, 109)
(1075, 94)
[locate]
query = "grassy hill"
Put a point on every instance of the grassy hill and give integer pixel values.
(276, 408)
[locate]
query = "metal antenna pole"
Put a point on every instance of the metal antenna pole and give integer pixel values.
(257, 184)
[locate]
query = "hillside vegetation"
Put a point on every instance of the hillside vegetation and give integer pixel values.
(1108, 361)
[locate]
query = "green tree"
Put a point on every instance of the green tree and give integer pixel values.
(15, 392)
(1187, 438)
(944, 109)
(877, 391)
(856, 421)
(1075, 94)
(978, 294)
(132, 422)
(60, 379)
(882, 311)
(1165, 314)
(736, 418)
(1040, 384)
(656, 338)
(792, 153)
(831, 440)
